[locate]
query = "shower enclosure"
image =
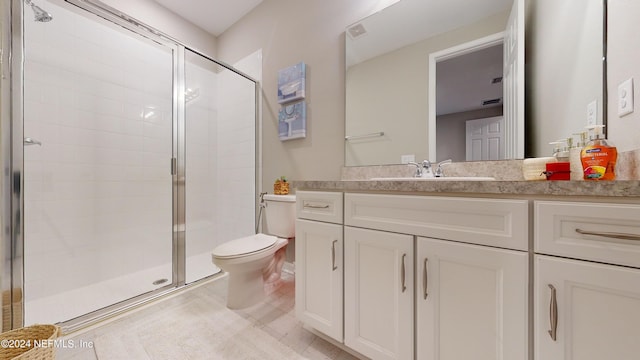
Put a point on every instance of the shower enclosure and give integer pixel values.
(126, 156)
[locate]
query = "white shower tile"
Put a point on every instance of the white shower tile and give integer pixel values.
(107, 172)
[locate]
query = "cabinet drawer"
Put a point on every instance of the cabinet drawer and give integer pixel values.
(607, 233)
(320, 206)
(493, 222)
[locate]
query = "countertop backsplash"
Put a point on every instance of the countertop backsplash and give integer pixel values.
(627, 168)
(628, 165)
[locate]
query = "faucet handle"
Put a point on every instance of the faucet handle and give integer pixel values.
(438, 172)
(418, 172)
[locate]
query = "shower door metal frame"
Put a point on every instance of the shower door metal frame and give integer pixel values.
(12, 157)
(12, 162)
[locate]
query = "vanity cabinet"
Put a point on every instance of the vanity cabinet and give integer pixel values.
(319, 262)
(586, 307)
(449, 278)
(378, 302)
(470, 262)
(471, 301)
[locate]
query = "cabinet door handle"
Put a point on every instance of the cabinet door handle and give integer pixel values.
(425, 279)
(614, 235)
(311, 206)
(553, 313)
(333, 255)
(403, 273)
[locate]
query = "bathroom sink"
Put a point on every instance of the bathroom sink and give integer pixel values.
(450, 178)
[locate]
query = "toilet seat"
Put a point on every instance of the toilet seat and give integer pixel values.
(245, 246)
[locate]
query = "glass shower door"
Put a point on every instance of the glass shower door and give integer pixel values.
(98, 127)
(220, 165)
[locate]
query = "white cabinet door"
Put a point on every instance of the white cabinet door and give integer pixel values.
(471, 302)
(592, 310)
(379, 293)
(319, 276)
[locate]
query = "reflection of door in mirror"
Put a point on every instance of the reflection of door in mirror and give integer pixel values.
(479, 79)
(468, 88)
(485, 139)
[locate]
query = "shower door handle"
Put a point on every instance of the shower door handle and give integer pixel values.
(31, 141)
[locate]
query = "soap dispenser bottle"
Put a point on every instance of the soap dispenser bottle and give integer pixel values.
(574, 157)
(599, 156)
(560, 169)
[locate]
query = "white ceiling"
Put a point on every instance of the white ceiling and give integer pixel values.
(214, 16)
(464, 82)
(409, 21)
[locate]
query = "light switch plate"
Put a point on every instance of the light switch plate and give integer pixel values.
(592, 113)
(625, 97)
(405, 159)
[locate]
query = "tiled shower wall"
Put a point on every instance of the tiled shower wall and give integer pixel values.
(201, 169)
(220, 164)
(237, 150)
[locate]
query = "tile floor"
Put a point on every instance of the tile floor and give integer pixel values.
(197, 325)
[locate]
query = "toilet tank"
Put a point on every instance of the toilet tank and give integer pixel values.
(280, 215)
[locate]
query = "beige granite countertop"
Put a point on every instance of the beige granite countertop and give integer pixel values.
(509, 174)
(618, 188)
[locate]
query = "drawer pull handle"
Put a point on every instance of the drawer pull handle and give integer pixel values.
(553, 313)
(333, 255)
(311, 206)
(403, 274)
(425, 279)
(614, 235)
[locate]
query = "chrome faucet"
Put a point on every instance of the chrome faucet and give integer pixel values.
(438, 172)
(422, 170)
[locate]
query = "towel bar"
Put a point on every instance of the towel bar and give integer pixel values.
(353, 137)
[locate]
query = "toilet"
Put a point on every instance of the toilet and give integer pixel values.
(255, 262)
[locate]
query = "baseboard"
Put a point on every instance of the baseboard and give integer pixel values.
(334, 342)
(289, 268)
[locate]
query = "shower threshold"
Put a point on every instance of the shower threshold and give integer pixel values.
(70, 308)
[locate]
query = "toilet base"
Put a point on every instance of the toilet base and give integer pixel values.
(245, 289)
(251, 275)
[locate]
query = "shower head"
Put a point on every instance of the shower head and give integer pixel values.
(39, 14)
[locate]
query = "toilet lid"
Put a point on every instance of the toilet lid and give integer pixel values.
(245, 245)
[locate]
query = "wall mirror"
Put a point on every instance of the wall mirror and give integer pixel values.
(427, 79)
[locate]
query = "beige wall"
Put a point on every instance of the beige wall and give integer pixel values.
(155, 15)
(623, 62)
(389, 93)
(558, 85)
(564, 69)
(290, 31)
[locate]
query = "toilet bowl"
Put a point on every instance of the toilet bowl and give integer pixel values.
(255, 262)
